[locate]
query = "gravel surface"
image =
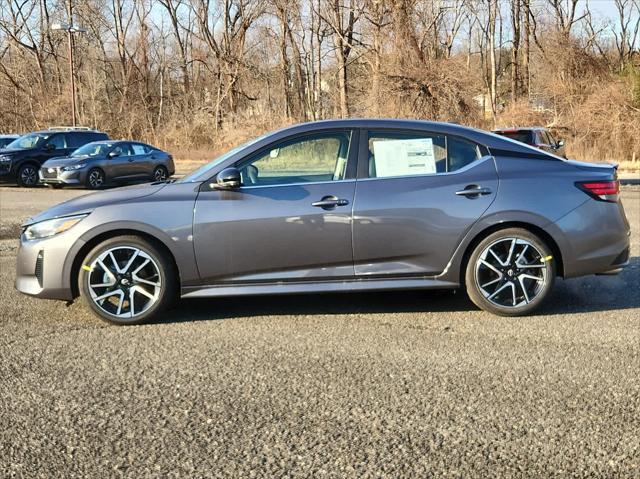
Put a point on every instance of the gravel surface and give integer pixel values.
(408, 384)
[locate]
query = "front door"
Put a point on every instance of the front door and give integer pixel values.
(420, 194)
(289, 221)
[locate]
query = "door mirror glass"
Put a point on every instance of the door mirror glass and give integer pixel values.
(228, 178)
(49, 147)
(114, 153)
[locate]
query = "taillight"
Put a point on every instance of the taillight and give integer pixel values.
(601, 190)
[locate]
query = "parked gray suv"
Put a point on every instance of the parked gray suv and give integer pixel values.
(100, 162)
(345, 205)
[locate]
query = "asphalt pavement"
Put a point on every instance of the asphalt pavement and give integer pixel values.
(405, 384)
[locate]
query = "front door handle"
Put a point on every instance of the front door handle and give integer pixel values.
(473, 191)
(330, 202)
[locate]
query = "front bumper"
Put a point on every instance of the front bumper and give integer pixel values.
(42, 269)
(56, 176)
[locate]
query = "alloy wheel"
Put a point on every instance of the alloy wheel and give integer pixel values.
(160, 174)
(511, 272)
(28, 175)
(96, 179)
(124, 281)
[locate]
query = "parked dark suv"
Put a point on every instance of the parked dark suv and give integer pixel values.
(97, 163)
(21, 159)
(535, 136)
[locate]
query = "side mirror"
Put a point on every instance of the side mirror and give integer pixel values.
(228, 178)
(113, 154)
(560, 143)
(49, 147)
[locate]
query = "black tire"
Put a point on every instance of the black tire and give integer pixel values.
(90, 270)
(95, 179)
(28, 175)
(516, 281)
(160, 173)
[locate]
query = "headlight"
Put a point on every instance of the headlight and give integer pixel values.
(5, 159)
(78, 166)
(47, 228)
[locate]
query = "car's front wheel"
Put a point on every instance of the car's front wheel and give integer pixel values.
(127, 280)
(28, 175)
(95, 179)
(510, 272)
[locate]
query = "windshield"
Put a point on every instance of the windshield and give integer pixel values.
(28, 141)
(204, 168)
(92, 149)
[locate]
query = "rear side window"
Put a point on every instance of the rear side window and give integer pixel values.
(76, 140)
(138, 149)
(412, 154)
(58, 141)
(523, 136)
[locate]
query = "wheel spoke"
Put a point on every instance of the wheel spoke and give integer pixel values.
(511, 248)
(491, 267)
(521, 255)
(529, 276)
(500, 262)
(143, 291)
(136, 278)
(108, 294)
(130, 262)
(524, 290)
(490, 282)
(497, 291)
(530, 266)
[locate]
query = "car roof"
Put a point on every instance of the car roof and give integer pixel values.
(520, 128)
(9, 135)
(51, 131)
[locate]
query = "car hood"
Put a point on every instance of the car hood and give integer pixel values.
(67, 160)
(87, 203)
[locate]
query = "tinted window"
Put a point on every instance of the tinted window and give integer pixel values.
(523, 136)
(305, 159)
(5, 141)
(74, 140)
(58, 141)
(410, 154)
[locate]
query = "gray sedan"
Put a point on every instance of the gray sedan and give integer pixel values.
(347, 205)
(97, 163)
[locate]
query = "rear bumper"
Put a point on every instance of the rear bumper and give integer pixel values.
(596, 238)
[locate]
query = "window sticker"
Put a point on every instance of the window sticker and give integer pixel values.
(404, 157)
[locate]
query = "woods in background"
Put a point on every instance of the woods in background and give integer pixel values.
(204, 75)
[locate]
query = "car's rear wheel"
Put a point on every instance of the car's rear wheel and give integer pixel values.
(127, 280)
(95, 179)
(28, 175)
(510, 272)
(160, 173)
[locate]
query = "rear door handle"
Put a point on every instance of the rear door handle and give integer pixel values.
(330, 202)
(473, 191)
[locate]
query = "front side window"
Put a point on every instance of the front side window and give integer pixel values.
(92, 149)
(28, 141)
(312, 158)
(411, 154)
(122, 150)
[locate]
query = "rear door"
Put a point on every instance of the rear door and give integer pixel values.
(417, 194)
(289, 221)
(142, 160)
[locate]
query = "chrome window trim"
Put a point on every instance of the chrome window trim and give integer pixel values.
(302, 183)
(433, 175)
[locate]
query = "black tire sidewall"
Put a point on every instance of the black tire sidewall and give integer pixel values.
(168, 279)
(476, 295)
